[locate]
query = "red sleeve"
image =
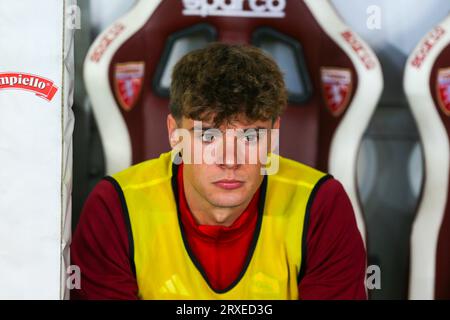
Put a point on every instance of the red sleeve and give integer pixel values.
(100, 248)
(335, 254)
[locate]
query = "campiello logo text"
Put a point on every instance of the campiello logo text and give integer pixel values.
(42, 87)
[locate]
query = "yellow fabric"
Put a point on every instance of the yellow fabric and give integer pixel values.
(164, 269)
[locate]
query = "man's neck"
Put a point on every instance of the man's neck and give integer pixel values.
(216, 216)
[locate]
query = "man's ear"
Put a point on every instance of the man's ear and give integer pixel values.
(275, 136)
(276, 123)
(171, 127)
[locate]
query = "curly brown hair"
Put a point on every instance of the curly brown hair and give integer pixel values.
(222, 81)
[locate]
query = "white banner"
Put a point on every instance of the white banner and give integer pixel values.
(36, 124)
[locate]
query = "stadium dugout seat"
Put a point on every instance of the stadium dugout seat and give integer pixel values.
(333, 78)
(427, 86)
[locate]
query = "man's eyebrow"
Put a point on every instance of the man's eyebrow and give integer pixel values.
(204, 128)
(257, 128)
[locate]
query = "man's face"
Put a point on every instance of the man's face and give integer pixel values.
(235, 175)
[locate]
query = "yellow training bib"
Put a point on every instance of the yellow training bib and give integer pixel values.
(164, 265)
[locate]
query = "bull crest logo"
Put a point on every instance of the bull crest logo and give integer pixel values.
(128, 80)
(337, 88)
(443, 90)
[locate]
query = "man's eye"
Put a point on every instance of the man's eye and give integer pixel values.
(251, 137)
(208, 137)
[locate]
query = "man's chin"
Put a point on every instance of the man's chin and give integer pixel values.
(226, 202)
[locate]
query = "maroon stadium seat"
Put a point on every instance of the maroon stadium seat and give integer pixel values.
(427, 85)
(334, 79)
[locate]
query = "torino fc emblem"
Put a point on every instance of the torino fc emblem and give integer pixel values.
(128, 78)
(337, 88)
(443, 90)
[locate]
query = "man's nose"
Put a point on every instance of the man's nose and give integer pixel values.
(230, 152)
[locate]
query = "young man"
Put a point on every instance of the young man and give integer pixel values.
(215, 223)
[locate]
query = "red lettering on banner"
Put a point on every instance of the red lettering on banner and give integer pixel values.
(363, 53)
(105, 41)
(43, 87)
(428, 44)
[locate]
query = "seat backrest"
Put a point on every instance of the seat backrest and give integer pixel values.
(333, 77)
(427, 85)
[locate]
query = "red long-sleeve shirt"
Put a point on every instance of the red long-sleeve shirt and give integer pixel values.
(335, 258)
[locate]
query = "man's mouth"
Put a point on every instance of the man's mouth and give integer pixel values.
(229, 184)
